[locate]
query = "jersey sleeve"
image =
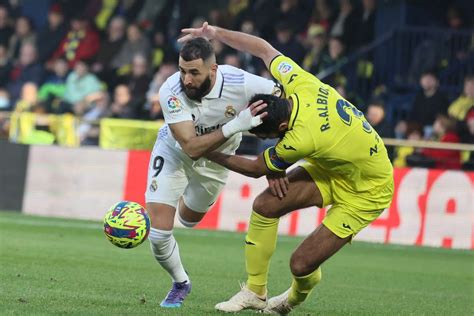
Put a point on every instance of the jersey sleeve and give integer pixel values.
(290, 75)
(172, 106)
(255, 85)
(293, 147)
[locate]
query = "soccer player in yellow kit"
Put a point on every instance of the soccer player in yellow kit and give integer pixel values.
(345, 165)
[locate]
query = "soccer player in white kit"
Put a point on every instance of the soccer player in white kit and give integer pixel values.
(205, 109)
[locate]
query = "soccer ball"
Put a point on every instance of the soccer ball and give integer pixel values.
(126, 224)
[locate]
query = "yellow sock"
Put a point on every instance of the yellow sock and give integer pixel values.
(302, 286)
(260, 244)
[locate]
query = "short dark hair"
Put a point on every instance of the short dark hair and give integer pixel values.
(429, 72)
(278, 112)
(197, 48)
(469, 77)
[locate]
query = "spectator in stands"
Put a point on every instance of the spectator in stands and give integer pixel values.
(123, 106)
(323, 14)
(89, 129)
(366, 32)
(414, 131)
(52, 34)
(376, 117)
(335, 54)
(80, 43)
(109, 48)
(6, 31)
(27, 69)
(287, 44)
(292, 12)
(5, 66)
(80, 83)
(136, 44)
(346, 24)
(139, 80)
(161, 51)
(334, 57)
(455, 19)
(52, 90)
(4, 100)
(461, 106)
(263, 13)
(150, 10)
(444, 130)
(316, 47)
(28, 98)
(152, 104)
(24, 33)
(248, 61)
(428, 103)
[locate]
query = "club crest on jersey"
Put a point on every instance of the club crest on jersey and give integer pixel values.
(229, 111)
(153, 185)
(284, 67)
(174, 105)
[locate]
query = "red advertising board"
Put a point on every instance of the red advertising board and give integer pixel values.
(429, 208)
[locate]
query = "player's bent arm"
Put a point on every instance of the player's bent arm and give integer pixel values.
(253, 45)
(241, 41)
(254, 168)
(196, 146)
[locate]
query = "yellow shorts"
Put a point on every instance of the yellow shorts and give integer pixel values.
(342, 218)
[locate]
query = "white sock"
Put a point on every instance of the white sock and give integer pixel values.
(166, 251)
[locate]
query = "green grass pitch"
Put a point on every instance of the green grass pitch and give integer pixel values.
(58, 266)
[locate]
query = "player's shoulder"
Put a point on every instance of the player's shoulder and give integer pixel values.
(284, 65)
(173, 84)
(232, 76)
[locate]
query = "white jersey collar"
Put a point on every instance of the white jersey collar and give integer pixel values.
(216, 90)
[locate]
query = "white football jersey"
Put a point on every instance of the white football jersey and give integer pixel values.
(230, 94)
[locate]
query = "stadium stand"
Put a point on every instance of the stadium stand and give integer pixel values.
(81, 62)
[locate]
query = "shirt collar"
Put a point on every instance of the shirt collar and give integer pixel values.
(216, 90)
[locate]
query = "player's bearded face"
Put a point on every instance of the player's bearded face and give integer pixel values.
(196, 92)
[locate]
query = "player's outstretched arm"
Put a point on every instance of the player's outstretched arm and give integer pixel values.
(240, 41)
(254, 168)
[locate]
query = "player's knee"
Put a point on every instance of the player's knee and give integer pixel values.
(162, 243)
(262, 207)
(186, 223)
(300, 265)
(161, 215)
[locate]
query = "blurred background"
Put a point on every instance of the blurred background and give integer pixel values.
(75, 73)
(79, 114)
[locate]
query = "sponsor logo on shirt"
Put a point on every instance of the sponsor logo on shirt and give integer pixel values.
(284, 67)
(174, 105)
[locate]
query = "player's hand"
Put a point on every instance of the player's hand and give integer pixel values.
(278, 184)
(245, 120)
(207, 31)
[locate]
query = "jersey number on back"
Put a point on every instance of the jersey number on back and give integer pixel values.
(346, 111)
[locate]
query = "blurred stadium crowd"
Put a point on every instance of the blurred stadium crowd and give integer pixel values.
(97, 59)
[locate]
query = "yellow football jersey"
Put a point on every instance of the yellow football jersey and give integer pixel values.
(333, 135)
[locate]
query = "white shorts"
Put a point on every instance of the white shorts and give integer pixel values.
(172, 174)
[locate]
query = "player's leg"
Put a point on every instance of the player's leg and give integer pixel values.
(166, 183)
(339, 226)
(206, 181)
(262, 234)
(305, 267)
